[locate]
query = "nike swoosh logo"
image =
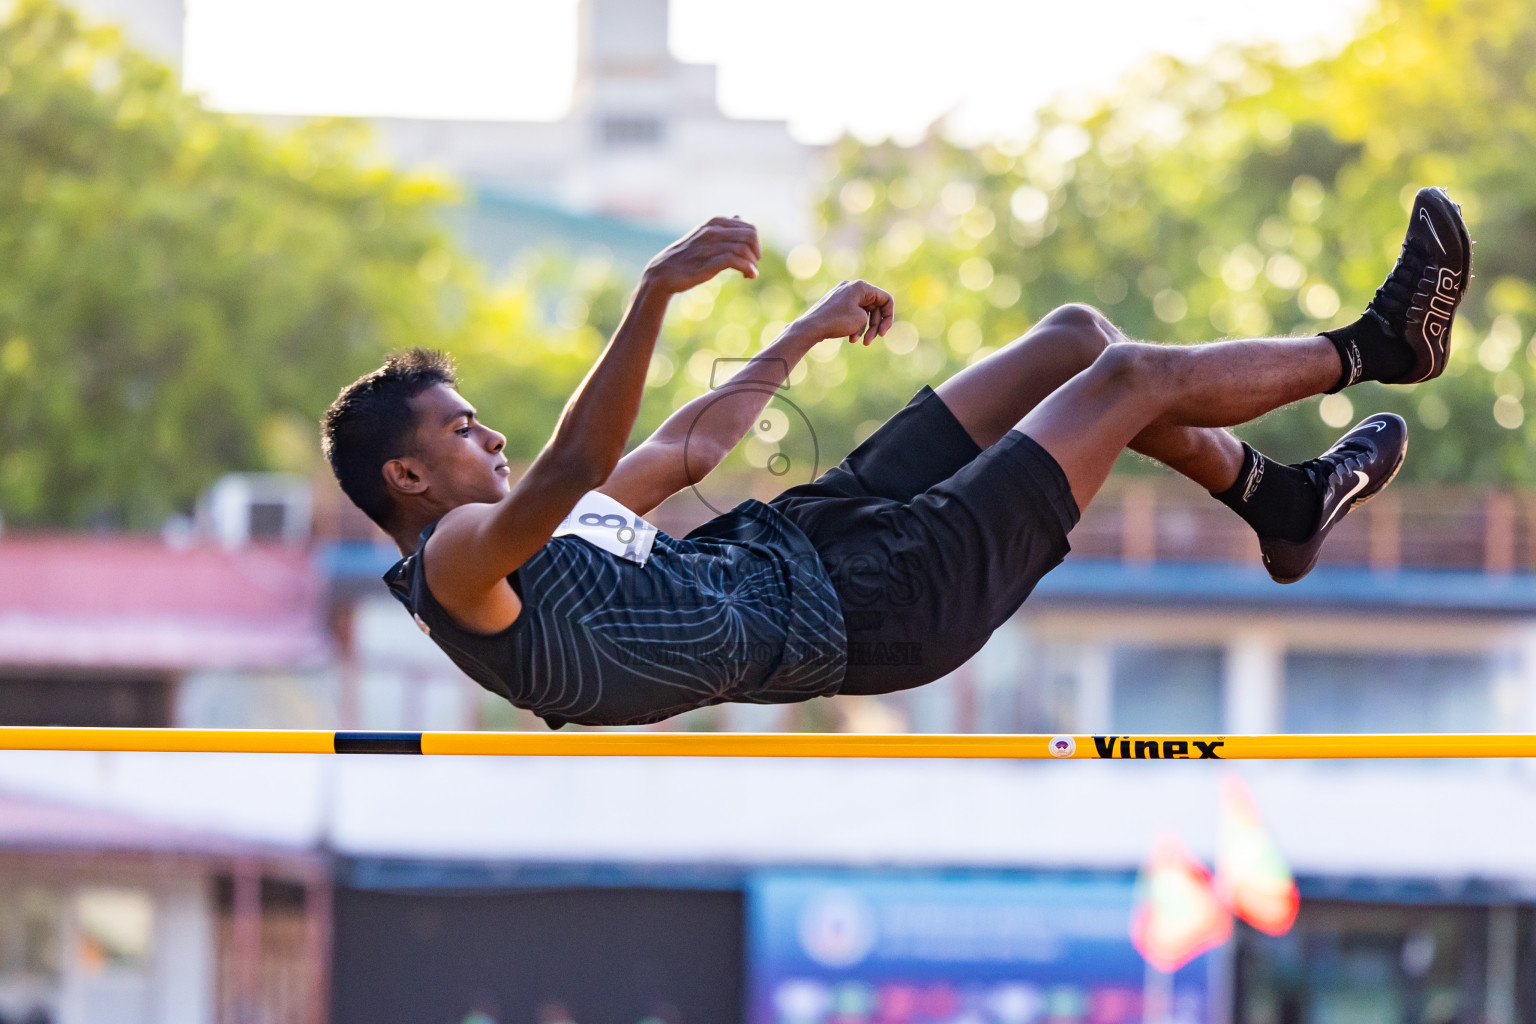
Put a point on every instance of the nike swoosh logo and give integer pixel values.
(1424, 216)
(1361, 482)
(1379, 425)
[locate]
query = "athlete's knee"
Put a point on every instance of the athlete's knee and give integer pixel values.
(1082, 329)
(1130, 366)
(1076, 315)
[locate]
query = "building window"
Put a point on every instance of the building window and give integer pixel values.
(29, 936)
(631, 131)
(1367, 962)
(128, 701)
(1166, 690)
(1340, 692)
(113, 929)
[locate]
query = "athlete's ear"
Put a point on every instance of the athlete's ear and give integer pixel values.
(402, 477)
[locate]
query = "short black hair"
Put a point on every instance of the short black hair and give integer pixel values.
(371, 422)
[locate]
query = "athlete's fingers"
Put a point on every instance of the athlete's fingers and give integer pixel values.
(738, 250)
(879, 307)
(743, 235)
(882, 299)
(749, 235)
(747, 267)
(734, 253)
(713, 239)
(739, 232)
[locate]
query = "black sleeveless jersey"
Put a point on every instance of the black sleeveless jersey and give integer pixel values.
(741, 609)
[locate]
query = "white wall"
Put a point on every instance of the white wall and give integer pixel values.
(185, 982)
(1453, 820)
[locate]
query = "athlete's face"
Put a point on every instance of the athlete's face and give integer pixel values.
(459, 458)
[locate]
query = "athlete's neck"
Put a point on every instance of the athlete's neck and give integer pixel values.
(406, 533)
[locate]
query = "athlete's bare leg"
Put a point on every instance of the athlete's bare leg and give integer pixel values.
(1087, 421)
(992, 395)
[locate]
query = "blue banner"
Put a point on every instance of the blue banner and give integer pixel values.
(930, 949)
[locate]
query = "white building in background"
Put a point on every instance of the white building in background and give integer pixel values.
(111, 918)
(644, 140)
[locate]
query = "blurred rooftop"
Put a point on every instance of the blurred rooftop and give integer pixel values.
(129, 602)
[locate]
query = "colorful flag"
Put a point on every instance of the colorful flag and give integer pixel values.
(1177, 914)
(1251, 876)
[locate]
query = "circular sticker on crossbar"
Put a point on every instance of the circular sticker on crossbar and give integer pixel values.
(1063, 746)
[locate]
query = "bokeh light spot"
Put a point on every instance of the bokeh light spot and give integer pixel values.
(1169, 306)
(1320, 302)
(976, 273)
(902, 337)
(1508, 412)
(857, 196)
(803, 261)
(1336, 410)
(1433, 412)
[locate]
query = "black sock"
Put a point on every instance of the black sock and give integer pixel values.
(1368, 352)
(1278, 501)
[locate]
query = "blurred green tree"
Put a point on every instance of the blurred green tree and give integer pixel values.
(184, 291)
(1239, 196)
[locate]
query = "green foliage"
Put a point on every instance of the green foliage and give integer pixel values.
(1241, 196)
(183, 291)
(530, 339)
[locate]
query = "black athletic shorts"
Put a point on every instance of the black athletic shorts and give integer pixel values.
(931, 542)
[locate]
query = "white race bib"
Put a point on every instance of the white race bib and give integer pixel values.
(603, 522)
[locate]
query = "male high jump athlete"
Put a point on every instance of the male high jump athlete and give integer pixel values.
(892, 568)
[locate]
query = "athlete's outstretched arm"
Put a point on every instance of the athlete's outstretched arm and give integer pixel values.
(698, 437)
(476, 546)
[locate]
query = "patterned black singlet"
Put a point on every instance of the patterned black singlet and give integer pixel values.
(739, 610)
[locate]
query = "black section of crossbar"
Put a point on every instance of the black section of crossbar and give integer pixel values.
(378, 743)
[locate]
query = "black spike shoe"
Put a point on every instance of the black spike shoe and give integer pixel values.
(1349, 474)
(1418, 300)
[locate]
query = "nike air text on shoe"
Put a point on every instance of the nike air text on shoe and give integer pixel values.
(1348, 475)
(1419, 298)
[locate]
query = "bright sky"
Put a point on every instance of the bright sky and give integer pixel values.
(876, 67)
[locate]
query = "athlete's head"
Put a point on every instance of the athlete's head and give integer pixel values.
(403, 436)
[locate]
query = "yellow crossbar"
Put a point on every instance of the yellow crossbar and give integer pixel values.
(735, 744)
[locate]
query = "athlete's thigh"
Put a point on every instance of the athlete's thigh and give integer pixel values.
(990, 396)
(926, 583)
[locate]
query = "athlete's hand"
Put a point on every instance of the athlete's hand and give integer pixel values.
(720, 243)
(849, 310)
